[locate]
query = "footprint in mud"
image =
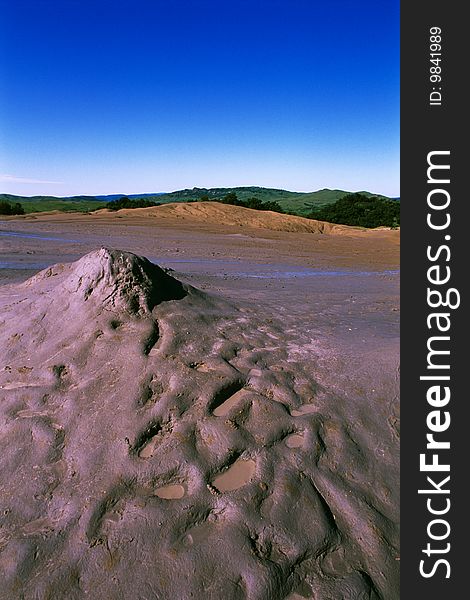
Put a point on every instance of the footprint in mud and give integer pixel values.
(149, 448)
(174, 491)
(222, 409)
(146, 442)
(239, 474)
(295, 440)
(223, 395)
(305, 409)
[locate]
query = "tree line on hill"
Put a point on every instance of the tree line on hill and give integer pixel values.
(361, 210)
(10, 208)
(125, 202)
(254, 203)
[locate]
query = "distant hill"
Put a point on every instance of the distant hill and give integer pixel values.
(111, 197)
(300, 203)
(45, 203)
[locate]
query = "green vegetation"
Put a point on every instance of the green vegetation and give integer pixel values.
(125, 202)
(7, 208)
(32, 204)
(296, 203)
(255, 203)
(361, 210)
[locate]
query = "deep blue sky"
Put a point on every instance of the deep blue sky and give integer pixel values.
(137, 96)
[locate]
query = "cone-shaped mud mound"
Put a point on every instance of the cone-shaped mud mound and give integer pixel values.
(113, 279)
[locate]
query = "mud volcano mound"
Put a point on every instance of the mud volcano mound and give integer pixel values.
(157, 442)
(114, 280)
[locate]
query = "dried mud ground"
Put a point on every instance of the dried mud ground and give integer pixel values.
(224, 430)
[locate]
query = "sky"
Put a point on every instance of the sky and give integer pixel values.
(121, 96)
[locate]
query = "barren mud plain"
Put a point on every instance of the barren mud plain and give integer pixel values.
(225, 427)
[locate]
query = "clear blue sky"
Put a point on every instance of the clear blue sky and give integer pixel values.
(121, 96)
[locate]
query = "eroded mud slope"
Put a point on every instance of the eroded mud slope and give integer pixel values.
(158, 442)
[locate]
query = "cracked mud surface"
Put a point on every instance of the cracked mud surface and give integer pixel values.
(159, 441)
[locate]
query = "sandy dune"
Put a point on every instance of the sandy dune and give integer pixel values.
(161, 442)
(223, 214)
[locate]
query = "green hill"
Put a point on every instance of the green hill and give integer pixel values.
(299, 203)
(44, 203)
(311, 201)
